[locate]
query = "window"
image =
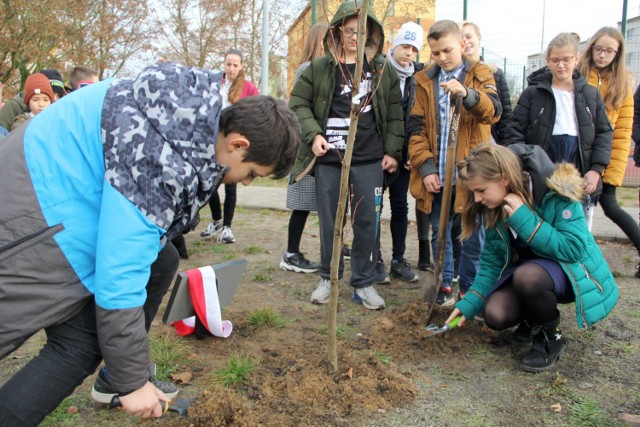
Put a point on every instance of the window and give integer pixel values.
(631, 34)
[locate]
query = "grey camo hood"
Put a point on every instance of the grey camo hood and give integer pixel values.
(159, 132)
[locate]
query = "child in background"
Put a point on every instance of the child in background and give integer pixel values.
(234, 87)
(538, 251)
(452, 74)
(322, 98)
(561, 113)
(82, 76)
(603, 65)
(38, 95)
(301, 195)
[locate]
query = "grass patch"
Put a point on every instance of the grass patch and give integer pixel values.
(168, 352)
(253, 249)
(385, 359)
(628, 259)
(634, 313)
(265, 317)
(61, 416)
(342, 331)
(624, 348)
(229, 257)
(262, 278)
(587, 412)
(236, 371)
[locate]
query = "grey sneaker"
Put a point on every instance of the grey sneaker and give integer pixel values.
(211, 230)
(225, 235)
(321, 294)
(402, 270)
(381, 277)
(103, 391)
(298, 263)
(368, 297)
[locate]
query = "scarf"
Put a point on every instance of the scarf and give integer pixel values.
(403, 72)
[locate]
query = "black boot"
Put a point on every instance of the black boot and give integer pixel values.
(424, 255)
(548, 346)
(522, 334)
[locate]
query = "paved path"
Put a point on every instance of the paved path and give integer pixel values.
(275, 198)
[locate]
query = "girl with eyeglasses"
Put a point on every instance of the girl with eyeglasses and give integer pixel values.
(561, 113)
(603, 64)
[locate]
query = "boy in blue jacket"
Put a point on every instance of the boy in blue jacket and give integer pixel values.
(87, 204)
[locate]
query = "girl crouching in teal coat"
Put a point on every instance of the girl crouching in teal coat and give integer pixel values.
(538, 251)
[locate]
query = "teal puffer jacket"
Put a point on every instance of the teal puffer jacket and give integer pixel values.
(312, 94)
(555, 229)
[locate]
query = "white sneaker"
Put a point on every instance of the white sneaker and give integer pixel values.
(225, 236)
(368, 297)
(211, 230)
(321, 294)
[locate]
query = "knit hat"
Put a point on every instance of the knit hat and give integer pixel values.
(410, 33)
(56, 81)
(37, 83)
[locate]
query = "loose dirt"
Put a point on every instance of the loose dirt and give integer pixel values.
(390, 371)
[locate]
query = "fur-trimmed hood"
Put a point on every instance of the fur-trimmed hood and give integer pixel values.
(562, 178)
(566, 181)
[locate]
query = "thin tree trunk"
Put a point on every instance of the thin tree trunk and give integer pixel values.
(332, 349)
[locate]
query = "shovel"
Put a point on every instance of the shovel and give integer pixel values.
(431, 283)
(180, 406)
(433, 329)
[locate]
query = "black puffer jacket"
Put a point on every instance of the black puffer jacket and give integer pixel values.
(499, 130)
(534, 117)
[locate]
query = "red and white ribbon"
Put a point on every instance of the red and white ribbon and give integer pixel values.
(204, 297)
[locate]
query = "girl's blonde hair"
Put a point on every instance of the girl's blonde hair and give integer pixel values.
(620, 86)
(313, 47)
(490, 163)
(236, 87)
(562, 40)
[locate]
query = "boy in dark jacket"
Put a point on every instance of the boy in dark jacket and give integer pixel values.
(452, 74)
(322, 100)
(98, 198)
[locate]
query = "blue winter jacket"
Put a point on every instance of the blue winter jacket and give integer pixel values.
(89, 190)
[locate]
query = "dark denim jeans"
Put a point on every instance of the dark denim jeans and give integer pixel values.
(71, 354)
(469, 261)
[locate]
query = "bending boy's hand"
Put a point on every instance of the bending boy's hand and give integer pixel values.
(389, 164)
(432, 183)
(144, 401)
(455, 313)
(320, 146)
(591, 179)
(454, 87)
(511, 203)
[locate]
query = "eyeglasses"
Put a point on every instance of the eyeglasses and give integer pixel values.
(598, 50)
(566, 60)
(348, 32)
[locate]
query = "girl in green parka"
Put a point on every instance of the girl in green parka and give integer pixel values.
(538, 251)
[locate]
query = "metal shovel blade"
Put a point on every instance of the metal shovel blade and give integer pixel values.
(434, 329)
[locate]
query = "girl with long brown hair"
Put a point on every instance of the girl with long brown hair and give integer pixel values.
(603, 65)
(233, 88)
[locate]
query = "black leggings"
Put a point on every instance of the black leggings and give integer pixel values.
(230, 191)
(619, 216)
(296, 227)
(528, 295)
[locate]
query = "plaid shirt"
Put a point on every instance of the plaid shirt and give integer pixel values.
(444, 102)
